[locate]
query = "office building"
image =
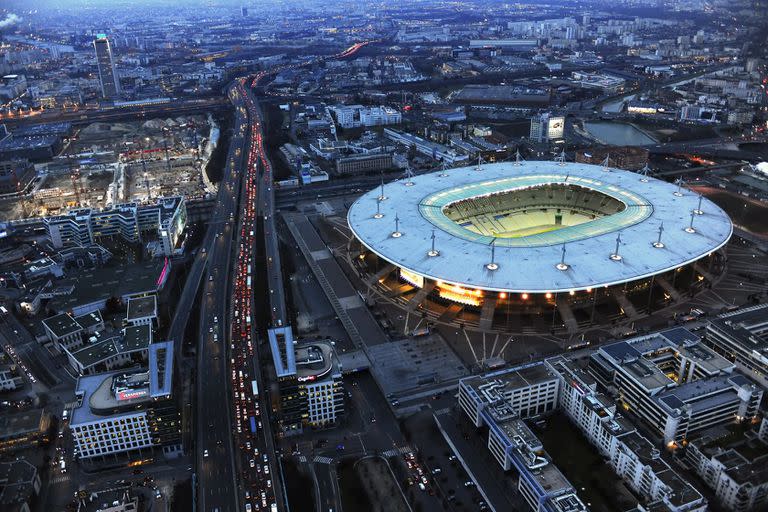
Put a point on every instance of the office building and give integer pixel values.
(67, 332)
(162, 223)
(545, 128)
(632, 456)
(431, 149)
(110, 81)
(142, 311)
(365, 163)
(742, 337)
(499, 401)
(12, 86)
(675, 384)
(356, 116)
(122, 413)
(309, 382)
(100, 353)
(735, 471)
(22, 429)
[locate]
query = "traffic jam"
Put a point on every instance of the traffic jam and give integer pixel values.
(257, 482)
(257, 485)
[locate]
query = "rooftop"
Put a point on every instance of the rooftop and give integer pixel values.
(464, 253)
(62, 324)
(142, 307)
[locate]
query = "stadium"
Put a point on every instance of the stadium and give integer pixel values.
(537, 245)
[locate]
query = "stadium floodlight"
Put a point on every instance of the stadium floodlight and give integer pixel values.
(378, 213)
(493, 265)
(678, 192)
(561, 158)
(562, 265)
(396, 233)
(382, 197)
(690, 228)
(433, 252)
(409, 177)
(644, 172)
(698, 210)
(606, 163)
(615, 256)
(658, 243)
(518, 158)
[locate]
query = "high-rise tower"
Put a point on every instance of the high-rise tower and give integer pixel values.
(110, 82)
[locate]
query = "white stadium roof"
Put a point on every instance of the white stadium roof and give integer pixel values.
(530, 263)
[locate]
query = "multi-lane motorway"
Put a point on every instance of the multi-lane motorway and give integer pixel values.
(216, 479)
(236, 464)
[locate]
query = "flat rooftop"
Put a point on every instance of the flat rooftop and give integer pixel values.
(98, 399)
(141, 307)
(90, 320)
(132, 339)
(99, 284)
(314, 359)
(19, 423)
(62, 324)
(490, 387)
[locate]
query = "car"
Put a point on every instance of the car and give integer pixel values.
(215, 319)
(266, 469)
(248, 507)
(437, 471)
(252, 463)
(469, 483)
(205, 453)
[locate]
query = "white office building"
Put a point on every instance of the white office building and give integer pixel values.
(675, 384)
(164, 220)
(631, 455)
(742, 337)
(121, 412)
(499, 401)
(356, 116)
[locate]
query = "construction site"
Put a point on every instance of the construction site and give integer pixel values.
(103, 164)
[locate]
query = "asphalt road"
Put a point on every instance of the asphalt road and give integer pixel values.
(217, 486)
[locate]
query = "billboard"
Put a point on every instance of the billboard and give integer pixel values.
(131, 394)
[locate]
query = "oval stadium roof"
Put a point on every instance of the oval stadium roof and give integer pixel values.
(534, 263)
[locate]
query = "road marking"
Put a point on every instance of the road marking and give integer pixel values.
(323, 460)
(59, 479)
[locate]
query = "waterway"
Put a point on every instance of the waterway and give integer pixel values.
(617, 134)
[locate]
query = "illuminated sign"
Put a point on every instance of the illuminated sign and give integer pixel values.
(131, 394)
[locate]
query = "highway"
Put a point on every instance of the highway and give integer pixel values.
(216, 479)
(236, 462)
